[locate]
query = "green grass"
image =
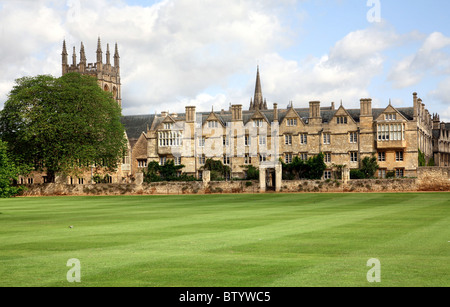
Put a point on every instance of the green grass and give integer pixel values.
(271, 240)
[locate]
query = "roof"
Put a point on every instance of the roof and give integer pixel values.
(136, 124)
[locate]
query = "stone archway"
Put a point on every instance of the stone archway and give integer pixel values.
(270, 176)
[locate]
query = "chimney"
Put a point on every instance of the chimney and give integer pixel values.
(236, 113)
(190, 114)
(366, 107)
(275, 112)
(332, 106)
(314, 109)
(415, 105)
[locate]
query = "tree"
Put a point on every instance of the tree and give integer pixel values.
(167, 172)
(369, 166)
(62, 125)
(8, 173)
(311, 169)
(217, 169)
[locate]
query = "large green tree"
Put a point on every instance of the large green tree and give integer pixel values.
(8, 174)
(62, 125)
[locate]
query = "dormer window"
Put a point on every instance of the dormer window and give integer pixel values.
(213, 124)
(292, 122)
(390, 117)
(258, 123)
(341, 120)
(168, 126)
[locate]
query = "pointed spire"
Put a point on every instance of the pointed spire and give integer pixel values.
(74, 57)
(116, 57)
(82, 54)
(108, 55)
(64, 51)
(99, 51)
(251, 104)
(258, 100)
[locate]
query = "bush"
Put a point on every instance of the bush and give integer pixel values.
(357, 174)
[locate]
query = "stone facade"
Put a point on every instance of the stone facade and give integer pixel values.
(259, 135)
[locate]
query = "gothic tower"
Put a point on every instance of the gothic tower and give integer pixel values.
(107, 75)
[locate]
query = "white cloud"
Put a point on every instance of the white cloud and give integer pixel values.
(430, 59)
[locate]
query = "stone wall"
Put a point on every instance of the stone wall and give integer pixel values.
(433, 178)
(429, 179)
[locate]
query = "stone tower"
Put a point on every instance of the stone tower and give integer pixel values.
(108, 76)
(258, 102)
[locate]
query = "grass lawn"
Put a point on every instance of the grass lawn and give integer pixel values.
(263, 240)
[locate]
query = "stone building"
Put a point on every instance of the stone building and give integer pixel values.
(261, 136)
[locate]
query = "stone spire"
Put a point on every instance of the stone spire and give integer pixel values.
(64, 53)
(108, 55)
(258, 99)
(74, 57)
(99, 52)
(116, 57)
(259, 102)
(82, 54)
(65, 64)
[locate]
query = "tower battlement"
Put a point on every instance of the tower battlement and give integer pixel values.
(108, 75)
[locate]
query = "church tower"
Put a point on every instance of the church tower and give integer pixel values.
(258, 102)
(107, 75)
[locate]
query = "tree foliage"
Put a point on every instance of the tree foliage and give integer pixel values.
(218, 170)
(311, 169)
(8, 174)
(62, 124)
(369, 166)
(167, 172)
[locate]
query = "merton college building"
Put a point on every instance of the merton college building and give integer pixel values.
(262, 133)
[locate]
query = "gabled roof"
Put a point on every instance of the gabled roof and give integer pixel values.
(136, 124)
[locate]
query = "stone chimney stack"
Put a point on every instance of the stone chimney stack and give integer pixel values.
(275, 112)
(190, 114)
(236, 113)
(366, 107)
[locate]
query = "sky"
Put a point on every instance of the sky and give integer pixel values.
(205, 53)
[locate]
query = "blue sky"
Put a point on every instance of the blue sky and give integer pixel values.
(186, 52)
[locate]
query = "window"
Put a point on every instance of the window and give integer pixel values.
(258, 123)
(142, 163)
(30, 180)
(170, 139)
(303, 138)
(341, 120)
(327, 175)
(399, 156)
(247, 159)
(381, 156)
(291, 122)
(80, 180)
(288, 139)
(288, 158)
(391, 132)
(262, 158)
(226, 141)
(226, 160)
(353, 137)
(213, 124)
(177, 160)
(382, 173)
(303, 156)
(247, 140)
(201, 142)
(162, 160)
(353, 156)
(390, 116)
(262, 140)
(326, 138)
(327, 157)
(399, 172)
(201, 160)
(168, 126)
